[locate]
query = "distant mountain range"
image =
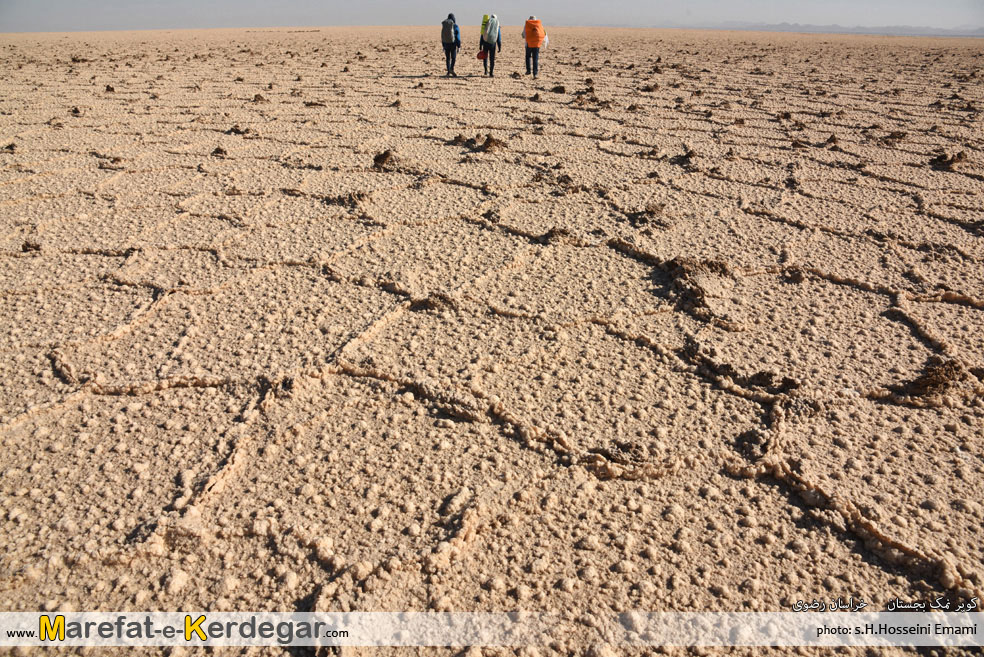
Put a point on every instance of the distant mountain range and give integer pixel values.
(888, 30)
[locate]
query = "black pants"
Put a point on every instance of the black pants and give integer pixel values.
(450, 54)
(489, 56)
(534, 54)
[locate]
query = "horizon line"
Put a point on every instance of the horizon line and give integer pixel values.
(787, 28)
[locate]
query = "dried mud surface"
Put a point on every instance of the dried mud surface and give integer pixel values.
(291, 322)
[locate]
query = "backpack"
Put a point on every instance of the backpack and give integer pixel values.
(491, 30)
(535, 34)
(447, 31)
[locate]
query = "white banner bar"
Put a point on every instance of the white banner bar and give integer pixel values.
(489, 629)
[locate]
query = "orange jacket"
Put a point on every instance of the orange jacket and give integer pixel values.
(535, 33)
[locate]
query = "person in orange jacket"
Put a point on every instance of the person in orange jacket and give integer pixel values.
(536, 37)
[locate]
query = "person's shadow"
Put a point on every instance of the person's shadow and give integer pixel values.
(436, 76)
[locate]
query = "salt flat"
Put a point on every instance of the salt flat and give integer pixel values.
(292, 322)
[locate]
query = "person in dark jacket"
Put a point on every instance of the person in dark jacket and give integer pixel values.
(491, 40)
(451, 38)
(481, 40)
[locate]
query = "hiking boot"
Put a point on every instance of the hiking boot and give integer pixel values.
(453, 74)
(534, 76)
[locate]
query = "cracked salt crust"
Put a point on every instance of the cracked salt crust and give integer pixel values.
(701, 333)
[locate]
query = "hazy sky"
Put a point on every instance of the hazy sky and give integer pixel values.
(63, 15)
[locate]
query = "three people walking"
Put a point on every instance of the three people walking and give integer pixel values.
(490, 42)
